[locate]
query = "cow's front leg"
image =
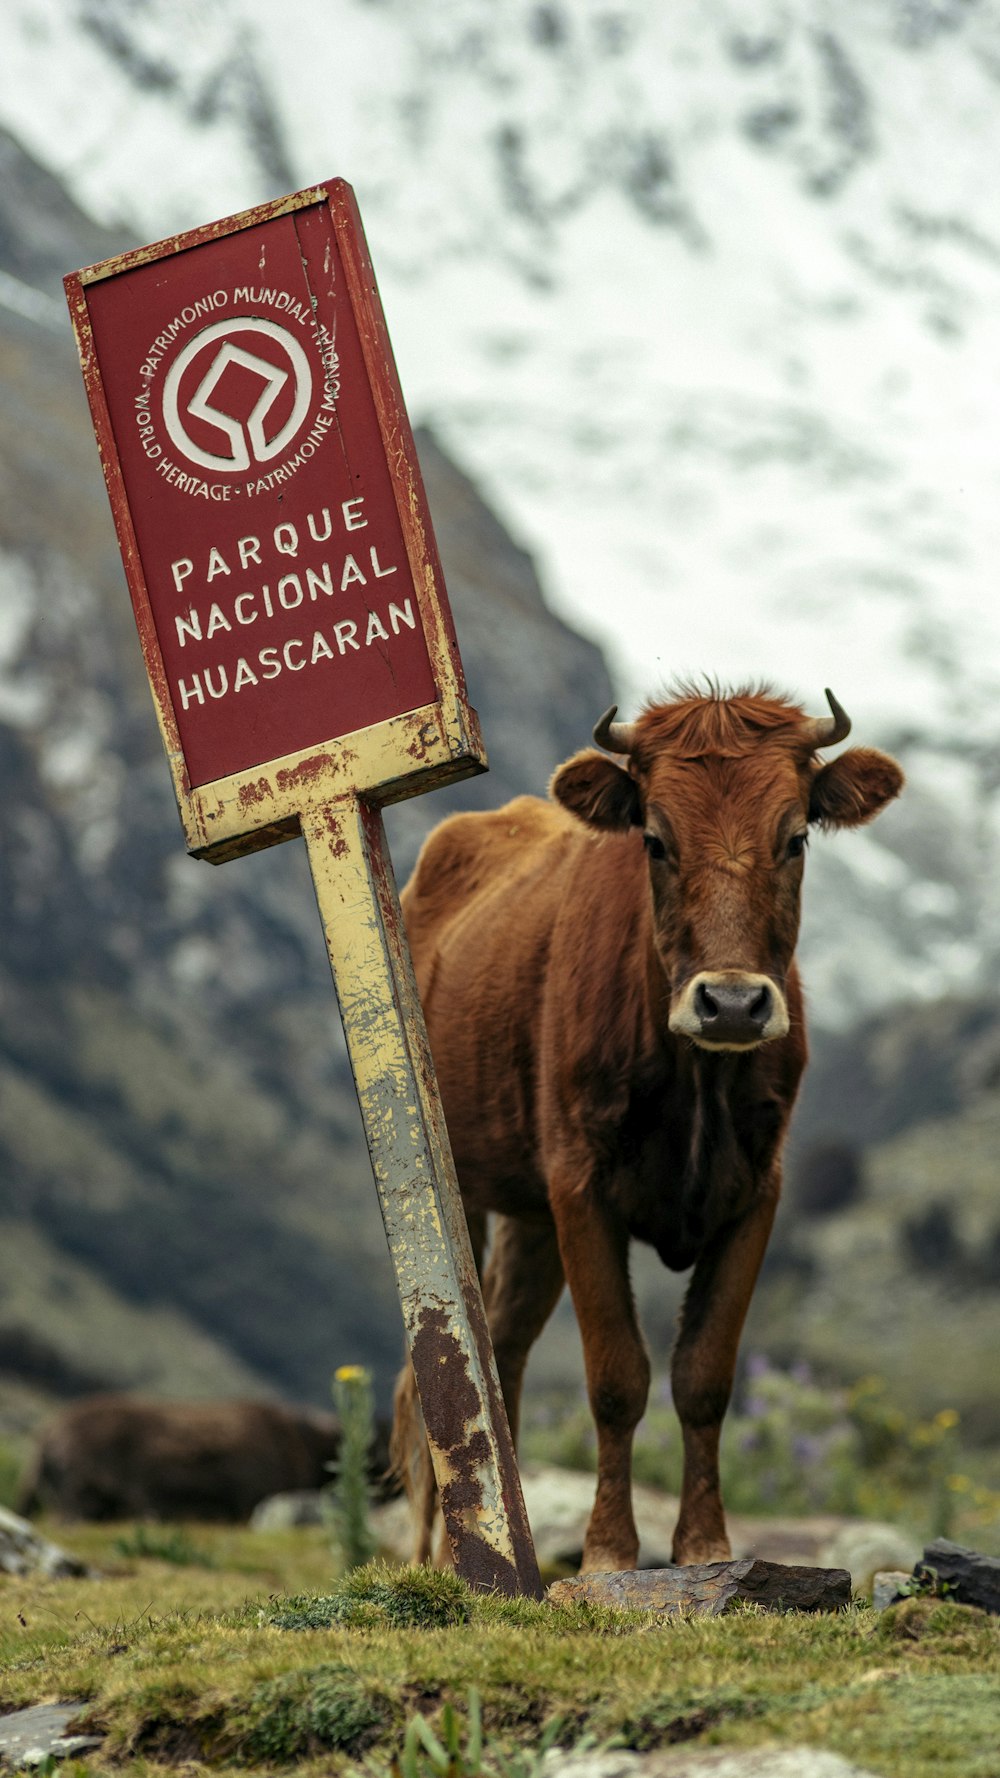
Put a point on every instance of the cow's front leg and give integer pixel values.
(702, 1370)
(594, 1248)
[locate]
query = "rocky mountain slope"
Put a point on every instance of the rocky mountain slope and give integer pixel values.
(704, 296)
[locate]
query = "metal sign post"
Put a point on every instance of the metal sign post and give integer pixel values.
(305, 673)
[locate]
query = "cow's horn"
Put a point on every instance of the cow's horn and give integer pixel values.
(826, 731)
(616, 737)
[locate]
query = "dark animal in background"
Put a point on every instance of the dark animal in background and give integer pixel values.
(617, 1025)
(122, 1457)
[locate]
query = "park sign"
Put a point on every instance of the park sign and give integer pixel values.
(272, 520)
(303, 663)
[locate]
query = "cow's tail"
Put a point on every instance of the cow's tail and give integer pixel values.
(410, 1460)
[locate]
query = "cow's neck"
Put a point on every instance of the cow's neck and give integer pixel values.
(721, 1168)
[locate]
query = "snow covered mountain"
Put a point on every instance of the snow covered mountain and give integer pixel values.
(706, 297)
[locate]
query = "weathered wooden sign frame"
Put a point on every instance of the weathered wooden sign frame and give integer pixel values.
(246, 365)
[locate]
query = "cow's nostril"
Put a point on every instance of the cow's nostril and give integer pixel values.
(760, 1008)
(705, 1007)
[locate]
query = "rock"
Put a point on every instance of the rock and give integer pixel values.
(711, 1588)
(27, 1737)
(865, 1548)
(283, 1512)
(715, 1762)
(968, 1577)
(24, 1551)
(887, 1587)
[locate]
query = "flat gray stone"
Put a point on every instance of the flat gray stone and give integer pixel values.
(27, 1737)
(711, 1762)
(888, 1586)
(285, 1512)
(24, 1551)
(710, 1588)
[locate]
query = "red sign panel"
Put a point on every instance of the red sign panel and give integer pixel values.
(248, 444)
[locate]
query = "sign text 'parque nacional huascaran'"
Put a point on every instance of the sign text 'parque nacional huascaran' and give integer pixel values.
(302, 660)
(270, 508)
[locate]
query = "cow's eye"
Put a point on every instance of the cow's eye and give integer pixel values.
(797, 845)
(654, 846)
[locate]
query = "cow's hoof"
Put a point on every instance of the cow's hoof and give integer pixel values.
(605, 1561)
(692, 1555)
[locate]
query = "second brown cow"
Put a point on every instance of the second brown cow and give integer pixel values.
(617, 1024)
(129, 1457)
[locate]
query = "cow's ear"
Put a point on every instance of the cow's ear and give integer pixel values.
(854, 787)
(591, 786)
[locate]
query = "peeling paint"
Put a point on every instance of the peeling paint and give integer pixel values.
(257, 791)
(307, 770)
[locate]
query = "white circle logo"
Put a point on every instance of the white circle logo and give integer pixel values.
(248, 434)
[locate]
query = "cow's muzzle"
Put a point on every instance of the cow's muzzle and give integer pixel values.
(728, 1009)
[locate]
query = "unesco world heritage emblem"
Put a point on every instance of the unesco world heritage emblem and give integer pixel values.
(249, 393)
(282, 385)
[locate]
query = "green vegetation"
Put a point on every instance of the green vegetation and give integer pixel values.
(163, 1544)
(307, 1711)
(354, 1400)
(460, 1750)
(381, 1597)
(791, 1445)
(268, 1661)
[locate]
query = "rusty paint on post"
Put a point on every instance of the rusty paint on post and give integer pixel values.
(471, 1446)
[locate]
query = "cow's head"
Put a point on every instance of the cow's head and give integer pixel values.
(724, 791)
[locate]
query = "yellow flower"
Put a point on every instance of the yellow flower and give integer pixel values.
(869, 1385)
(946, 1419)
(350, 1373)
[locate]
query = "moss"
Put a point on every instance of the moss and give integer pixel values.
(377, 1595)
(305, 1712)
(941, 1625)
(682, 1716)
(926, 1723)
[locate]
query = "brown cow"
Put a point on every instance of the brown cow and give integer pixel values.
(617, 1025)
(122, 1457)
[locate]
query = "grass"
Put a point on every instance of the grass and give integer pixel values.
(268, 1661)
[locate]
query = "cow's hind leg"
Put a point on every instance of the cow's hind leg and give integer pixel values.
(702, 1370)
(594, 1246)
(522, 1285)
